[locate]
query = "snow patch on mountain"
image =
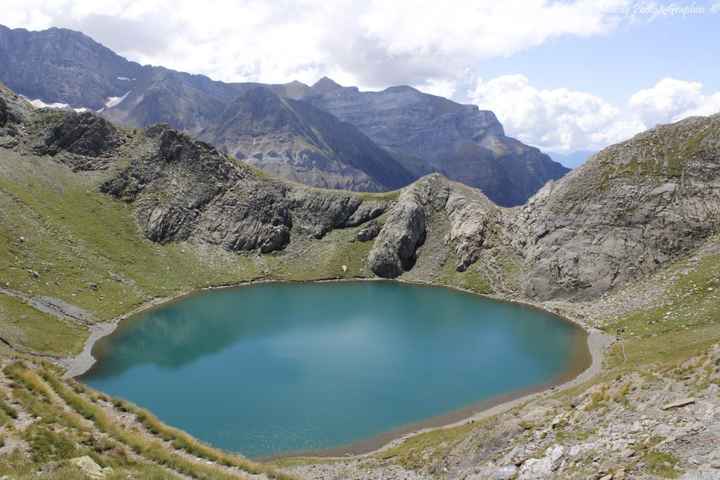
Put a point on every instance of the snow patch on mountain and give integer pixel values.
(115, 101)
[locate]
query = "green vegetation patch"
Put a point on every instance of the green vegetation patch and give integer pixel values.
(686, 324)
(60, 237)
(323, 259)
(24, 326)
(471, 279)
(419, 451)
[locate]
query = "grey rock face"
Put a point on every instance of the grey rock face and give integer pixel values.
(187, 189)
(395, 246)
(394, 250)
(369, 232)
(631, 208)
(368, 210)
(296, 141)
(432, 134)
(12, 111)
(81, 134)
(472, 220)
(474, 223)
(4, 113)
(59, 65)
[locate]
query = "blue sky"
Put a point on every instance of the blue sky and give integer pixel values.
(563, 75)
(632, 57)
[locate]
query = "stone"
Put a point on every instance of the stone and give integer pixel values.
(601, 227)
(541, 468)
(88, 466)
(493, 472)
(506, 472)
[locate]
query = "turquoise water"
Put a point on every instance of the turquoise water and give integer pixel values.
(276, 368)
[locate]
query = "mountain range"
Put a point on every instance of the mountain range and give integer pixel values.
(323, 135)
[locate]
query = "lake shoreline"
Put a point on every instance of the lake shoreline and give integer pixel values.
(595, 342)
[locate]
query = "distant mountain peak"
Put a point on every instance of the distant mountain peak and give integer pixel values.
(296, 83)
(325, 85)
(402, 88)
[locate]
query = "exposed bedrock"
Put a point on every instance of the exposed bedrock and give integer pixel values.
(12, 112)
(472, 218)
(188, 190)
(79, 133)
(394, 251)
(474, 221)
(630, 209)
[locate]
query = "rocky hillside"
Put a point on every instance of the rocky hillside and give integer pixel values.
(324, 135)
(632, 208)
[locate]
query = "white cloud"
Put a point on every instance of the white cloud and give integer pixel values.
(374, 43)
(671, 100)
(556, 120)
(564, 120)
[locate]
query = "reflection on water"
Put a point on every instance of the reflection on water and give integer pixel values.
(283, 367)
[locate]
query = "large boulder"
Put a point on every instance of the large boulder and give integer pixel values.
(404, 231)
(473, 221)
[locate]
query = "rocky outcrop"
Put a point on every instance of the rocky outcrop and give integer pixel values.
(473, 221)
(317, 212)
(81, 134)
(395, 247)
(369, 232)
(187, 189)
(630, 209)
(4, 113)
(12, 111)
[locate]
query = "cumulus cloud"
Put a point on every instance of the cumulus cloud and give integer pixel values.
(671, 100)
(564, 120)
(374, 43)
(558, 119)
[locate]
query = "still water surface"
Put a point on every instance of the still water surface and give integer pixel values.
(276, 368)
